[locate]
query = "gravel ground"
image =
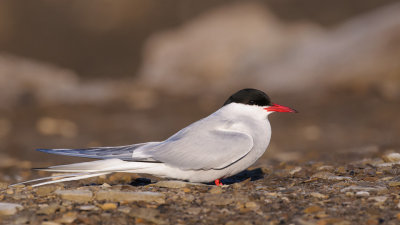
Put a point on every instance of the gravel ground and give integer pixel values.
(359, 192)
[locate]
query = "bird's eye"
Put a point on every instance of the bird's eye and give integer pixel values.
(252, 102)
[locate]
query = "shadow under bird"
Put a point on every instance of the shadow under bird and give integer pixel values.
(218, 146)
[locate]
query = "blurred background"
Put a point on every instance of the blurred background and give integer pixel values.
(95, 73)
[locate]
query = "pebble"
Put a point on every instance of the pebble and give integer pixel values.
(108, 206)
(80, 196)
(130, 196)
(68, 217)
(362, 193)
(193, 210)
(313, 209)
(45, 190)
(252, 205)
(394, 183)
(378, 189)
(7, 209)
(318, 195)
(124, 209)
(216, 190)
(170, 184)
(48, 209)
(88, 208)
(326, 168)
(392, 157)
(295, 170)
(217, 199)
(3, 185)
(329, 176)
(147, 214)
(379, 199)
(50, 223)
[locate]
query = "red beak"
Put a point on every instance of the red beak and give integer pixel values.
(279, 108)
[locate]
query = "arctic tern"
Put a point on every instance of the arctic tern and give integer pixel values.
(218, 146)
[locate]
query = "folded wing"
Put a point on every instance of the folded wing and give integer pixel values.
(208, 149)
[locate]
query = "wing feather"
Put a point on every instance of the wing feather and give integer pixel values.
(208, 149)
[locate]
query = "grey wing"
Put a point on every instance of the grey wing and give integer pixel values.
(117, 152)
(213, 149)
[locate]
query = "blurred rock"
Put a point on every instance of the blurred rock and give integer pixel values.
(329, 176)
(7, 209)
(53, 126)
(75, 195)
(171, 184)
(24, 81)
(109, 206)
(362, 193)
(129, 196)
(68, 217)
(391, 157)
(245, 45)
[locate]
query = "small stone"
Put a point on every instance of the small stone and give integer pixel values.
(398, 216)
(148, 214)
(124, 209)
(9, 191)
(88, 208)
(326, 168)
(252, 205)
(217, 199)
(238, 222)
(341, 170)
(105, 185)
(68, 217)
(394, 183)
(170, 184)
(7, 209)
(130, 196)
(50, 223)
(329, 176)
(378, 189)
(48, 210)
(392, 157)
(313, 209)
(216, 190)
(193, 211)
(45, 190)
(109, 206)
(349, 194)
(3, 186)
(362, 194)
(318, 195)
(75, 195)
(295, 170)
(379, 199)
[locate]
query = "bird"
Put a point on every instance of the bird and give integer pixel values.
(218, 146)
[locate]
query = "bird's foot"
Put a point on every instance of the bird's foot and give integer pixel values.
(218, 182)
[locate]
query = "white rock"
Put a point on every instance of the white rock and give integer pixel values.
(362, 194)
(329, 176)
(379, 199)
(392, 157)
(364, 188)
(7, 209)
(75, 195)
(130, 196)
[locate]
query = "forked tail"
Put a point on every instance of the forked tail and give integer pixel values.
(78, 171)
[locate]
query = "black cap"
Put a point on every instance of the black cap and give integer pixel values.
(249, 96)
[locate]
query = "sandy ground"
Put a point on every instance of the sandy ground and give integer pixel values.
(329, 164)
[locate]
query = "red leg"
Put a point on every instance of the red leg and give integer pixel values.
(218, 182)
